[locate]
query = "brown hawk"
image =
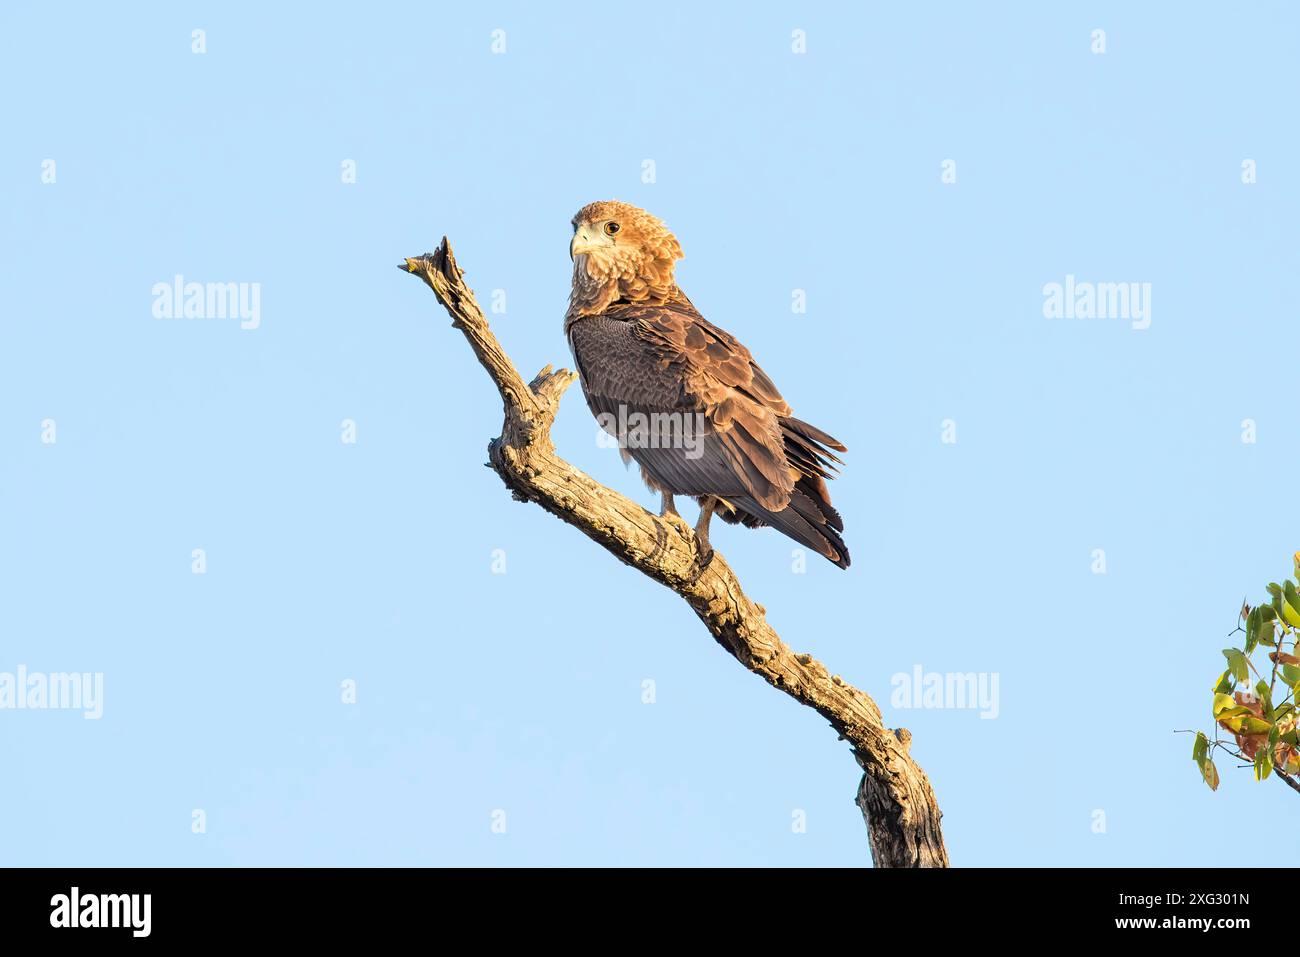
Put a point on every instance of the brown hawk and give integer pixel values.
(685, 399)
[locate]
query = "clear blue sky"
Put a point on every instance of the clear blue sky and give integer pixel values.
(523, 691)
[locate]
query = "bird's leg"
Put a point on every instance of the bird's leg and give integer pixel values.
(704, 552)
(667, 507)
(667, 511)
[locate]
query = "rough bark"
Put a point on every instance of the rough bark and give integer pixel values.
(895, 796)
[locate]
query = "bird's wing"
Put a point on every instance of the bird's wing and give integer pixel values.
(711, 358)
(695, 367)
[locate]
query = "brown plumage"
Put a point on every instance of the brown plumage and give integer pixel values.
(686, 400)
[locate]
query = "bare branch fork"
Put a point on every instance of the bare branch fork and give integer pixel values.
(895, 796)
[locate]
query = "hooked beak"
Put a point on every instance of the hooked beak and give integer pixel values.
(583, 241)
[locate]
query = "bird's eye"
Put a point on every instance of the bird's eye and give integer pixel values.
(611, 228)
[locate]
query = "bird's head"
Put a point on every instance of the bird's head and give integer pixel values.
(619, 252)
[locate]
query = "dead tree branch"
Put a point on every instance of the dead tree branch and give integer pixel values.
(895, 796)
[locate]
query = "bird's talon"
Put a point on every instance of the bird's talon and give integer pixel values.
(703, 555)
(702, 562)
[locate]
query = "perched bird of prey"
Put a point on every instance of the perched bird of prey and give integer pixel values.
(685, 399)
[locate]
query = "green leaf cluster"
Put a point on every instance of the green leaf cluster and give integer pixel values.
(1259, 717)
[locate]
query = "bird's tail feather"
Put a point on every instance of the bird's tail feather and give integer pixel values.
(809, 519)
